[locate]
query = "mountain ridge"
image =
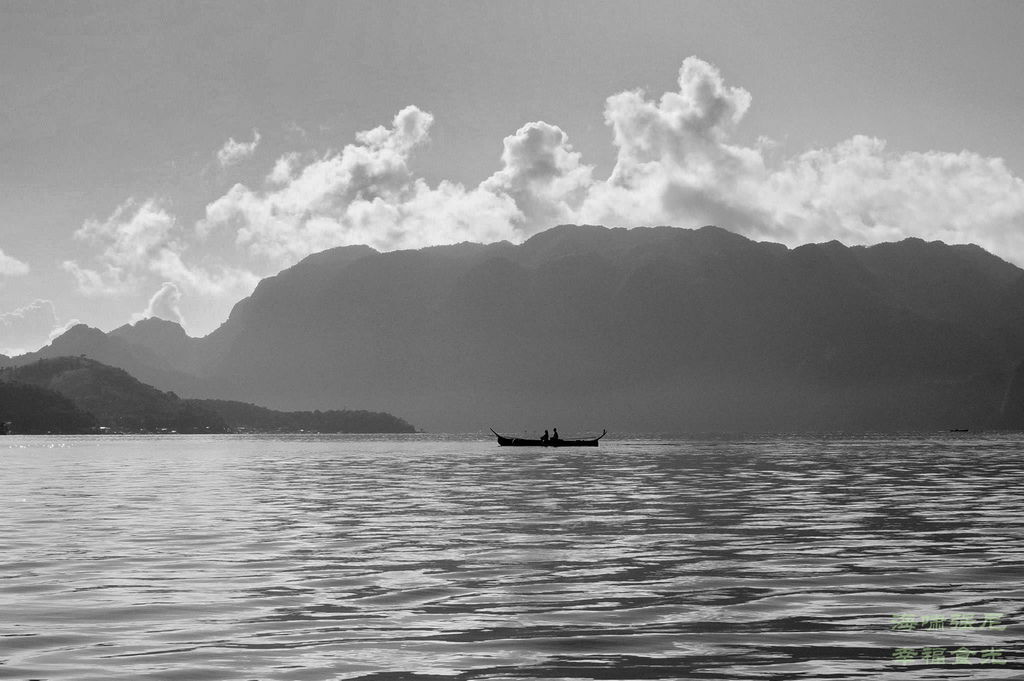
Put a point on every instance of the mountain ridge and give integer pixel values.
(81, 395)
(655, 328)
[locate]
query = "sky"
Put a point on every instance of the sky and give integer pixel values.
(160, 158)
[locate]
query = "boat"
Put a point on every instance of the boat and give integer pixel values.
(525, 442)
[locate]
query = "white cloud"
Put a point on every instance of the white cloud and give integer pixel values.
(28, 328)
(61, 329)
(141, 242)
(11, 267)
(232, 152)
(284, 169)
(130, 239)
(364, 194)
(858, 192)
(676, 163)
(165, 304)
(542, 174)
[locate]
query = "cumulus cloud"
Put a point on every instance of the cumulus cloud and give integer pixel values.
(11, 267)
(165, 304)
(27, 328)
(676, 163)
(367, 194)
(140, 241)
(858, 192)
(131, 238)
(364, 194)
(233, 152)
(284, 169)
(542, 175)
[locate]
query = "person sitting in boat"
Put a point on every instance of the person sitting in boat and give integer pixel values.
(544, 438)
(554, 438)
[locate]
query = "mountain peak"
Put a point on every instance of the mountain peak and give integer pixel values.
(81, 330)
(78, 335)
(339, 256)
(150, 328)
(652, 328)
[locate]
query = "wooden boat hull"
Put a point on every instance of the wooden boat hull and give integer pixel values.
(524, 442)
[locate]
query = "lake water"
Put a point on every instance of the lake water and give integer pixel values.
(434, 557)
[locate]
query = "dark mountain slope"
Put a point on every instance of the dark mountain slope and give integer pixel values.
(31, 409)
(76, 394)
(656, 328)
(249, 417)
(116, 399)
(120, 349)
(643, 329)
(175, 350)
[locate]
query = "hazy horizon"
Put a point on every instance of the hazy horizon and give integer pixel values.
(163, 157)
(166, 314)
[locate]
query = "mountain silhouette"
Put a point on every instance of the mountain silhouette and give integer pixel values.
(653, 329)
(31, 409)
(123, 350)
(176, 350)
(81, 395)
(111, 396)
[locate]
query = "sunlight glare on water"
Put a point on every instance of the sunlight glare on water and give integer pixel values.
(345, 557)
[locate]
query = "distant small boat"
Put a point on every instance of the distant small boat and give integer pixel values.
(524, 442)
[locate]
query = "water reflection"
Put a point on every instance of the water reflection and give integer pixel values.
(337, 558)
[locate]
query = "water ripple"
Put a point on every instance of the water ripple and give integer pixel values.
(429, 557)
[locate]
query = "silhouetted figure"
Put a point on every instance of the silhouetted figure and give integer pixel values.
(554, 438)
(544, 438)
